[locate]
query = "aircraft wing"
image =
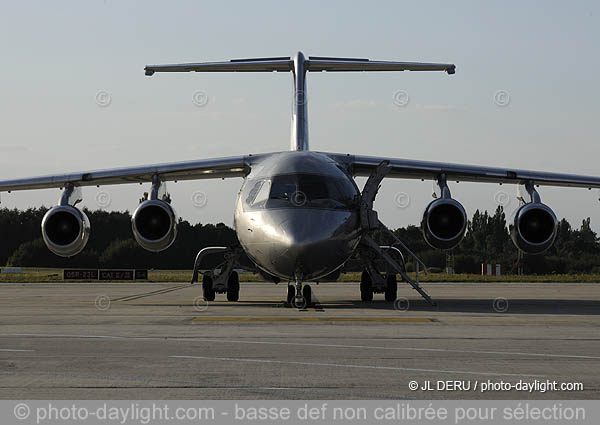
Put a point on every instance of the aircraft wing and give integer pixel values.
(415, 169)
(235, 166)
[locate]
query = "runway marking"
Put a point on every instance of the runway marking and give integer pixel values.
(312, 319)
(318, 307)
(150, 294)
(443, 350)
(14, 349)
(404, 369)
(316, 303)
(233, 341)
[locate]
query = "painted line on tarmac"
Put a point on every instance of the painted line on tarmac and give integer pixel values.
(313, 319)
(404, 369)
(443, 350)
(233, 341)
(150, 294)
(372, 347)
(14, 350)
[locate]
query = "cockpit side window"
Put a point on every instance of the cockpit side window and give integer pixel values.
(254, 187)
(263, 194)
(258, 193)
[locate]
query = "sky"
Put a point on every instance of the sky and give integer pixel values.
(525, 94)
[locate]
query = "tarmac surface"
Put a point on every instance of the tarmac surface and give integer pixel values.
(162, 341)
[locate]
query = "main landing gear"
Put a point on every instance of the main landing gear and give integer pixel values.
(372, 281)
(223, 279)
(366, 286)
(391, 288)
(387, 286)
(233, 287)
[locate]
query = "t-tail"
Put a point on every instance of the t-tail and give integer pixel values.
(299, 65)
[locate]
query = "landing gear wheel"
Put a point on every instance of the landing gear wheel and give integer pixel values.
(307, 294)
(366, 287)
(291, 294)
(233, 287)
(207, 288)
(391, 288)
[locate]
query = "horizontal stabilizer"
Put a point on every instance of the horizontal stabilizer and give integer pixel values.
(317, 63)
(313, 63)
(235, 65)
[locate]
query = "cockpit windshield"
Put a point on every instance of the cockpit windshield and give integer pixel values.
(300, 190)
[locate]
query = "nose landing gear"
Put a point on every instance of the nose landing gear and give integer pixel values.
(299, 295)
(307, 295)
(291, 294)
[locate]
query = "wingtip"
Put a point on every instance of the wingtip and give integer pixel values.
(148, 72)
(451, 70)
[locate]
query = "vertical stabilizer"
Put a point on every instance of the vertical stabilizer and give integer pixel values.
(299, 139)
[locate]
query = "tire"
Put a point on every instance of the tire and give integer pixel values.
(391, 288)
(207, 288)
(233, 287)
(366, 287)
(307, 294)
(291, 293)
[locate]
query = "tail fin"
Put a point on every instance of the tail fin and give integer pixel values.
(299, 65)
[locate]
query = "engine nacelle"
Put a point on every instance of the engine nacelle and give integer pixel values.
(154, 224)
(534, 228)
(444, 223)
(65, 230)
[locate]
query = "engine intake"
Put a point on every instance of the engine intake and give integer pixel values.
(444, 223)
(154, 224)
(65, 230)
(534, 228)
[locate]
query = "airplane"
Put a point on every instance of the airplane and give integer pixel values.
(299, 214)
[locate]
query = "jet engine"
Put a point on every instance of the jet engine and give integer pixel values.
(154, 224)
(534, 228)
(65, 230)
(444, 220)
(444, 223)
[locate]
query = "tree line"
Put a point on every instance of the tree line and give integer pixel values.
(487, 240)
(111, 245)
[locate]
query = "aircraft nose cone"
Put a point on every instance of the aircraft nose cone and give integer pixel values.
(315, 242)
(300, 235)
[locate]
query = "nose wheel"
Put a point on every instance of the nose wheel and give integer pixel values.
(299, 296)
(291, 293)
(307, 295)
